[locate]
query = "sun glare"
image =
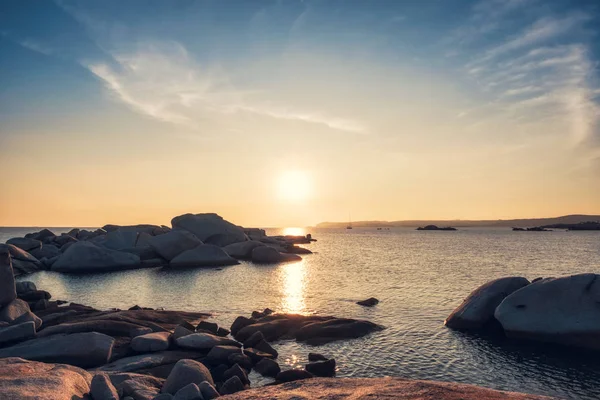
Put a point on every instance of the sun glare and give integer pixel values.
(294, 186)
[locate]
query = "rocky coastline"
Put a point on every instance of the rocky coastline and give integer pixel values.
(54, 349)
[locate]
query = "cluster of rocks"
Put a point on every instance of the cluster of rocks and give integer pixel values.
(145, 354)
(562, 310)
(195, 240)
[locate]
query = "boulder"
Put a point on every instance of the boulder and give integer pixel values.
(84, 257)
(222, 239)
(243, 360)
(18, 311)
(119, 240)
(208, 391)
(370, 302)
(256, 355)
(151, 342)
(8, 292)
(559, 310)
(204, 341)
(64, 240)
(26, 244)
(138, 390)
(336, 329)
(148, 361)
(265, 347)
(102, 388)
(188, 392)
(232, 385)
(204, 255)
(206, 225)
(477, 310)
(254, 339)
(184, 373)
(48, 251)
(377, 388)
(27, 380)
(106, 326)
(181, 331)
(267, 367)
(269, 255)
(24, 287)
(242, 250)
(171, 244)
(239, 323)
(321, 368)
(293, 375)
(83, 350)
(220, 354)
(17, 332)
(210, 327)
(238, 371)
(42, 235)
(316, 357)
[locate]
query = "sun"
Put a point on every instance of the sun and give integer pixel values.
(294, 185)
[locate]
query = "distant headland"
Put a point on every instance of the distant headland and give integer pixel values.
(508, 223)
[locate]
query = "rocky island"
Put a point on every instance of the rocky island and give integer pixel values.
(55, 349)
(435, 228)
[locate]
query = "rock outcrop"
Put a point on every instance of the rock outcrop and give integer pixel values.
(477, 310)
(83, 257)
(206, 225)
(204, 255)
(559, 310)
(172, 244)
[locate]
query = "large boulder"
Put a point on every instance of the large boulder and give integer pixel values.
(150, 342)
(339, 328)
(84, 257)
(376, 388)
(184, 373)
(560, 310)
(220, 354)
(101, 388)
(269, 255)
(84, 350)
(204, 255)
(43, 235)
(26, 244)
(477, 310)
(8, 292)
(18, 311)
(204, 341)
(171, 244)
(17, 332)
(22, 261)
(206, 225)
(119, 239)
(46, 251)
(242, 250)
(28, 380)
(148, 361)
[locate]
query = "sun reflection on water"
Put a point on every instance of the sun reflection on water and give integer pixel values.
(294, 231)
(293, 284)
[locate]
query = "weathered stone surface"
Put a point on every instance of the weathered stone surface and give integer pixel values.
(238, 371)
(108, 327)
(207, 225)
(151, 342)
(180, 332)
(239, 323)
(18, 311)
(267, 367)
(559, 310)
(210, 327)
(148, 361)
(377, 388)
(204, 341)
(208, 391)
(17, 332)
(242, 359)
(102, 388)
(84, 257)
(41, 235)
(171, 244)
(204, 255)
(269, 255)
(84, 350)
(26, 244)
(254, 339)
(25, 286)
(7, 279)
(28, 380)
(339, 328)
(477, 310)
(189, 392)
(46, 251)
(220, 354)
(242, 250)
(184, 373)
(232, 385)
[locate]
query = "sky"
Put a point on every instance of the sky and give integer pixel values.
(289, 113)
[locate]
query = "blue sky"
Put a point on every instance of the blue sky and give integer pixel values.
(502, 91)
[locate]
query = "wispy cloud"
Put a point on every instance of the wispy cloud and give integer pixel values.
(164, 82)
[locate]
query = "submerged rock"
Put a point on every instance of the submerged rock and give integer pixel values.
(370, 302)
(84, 257)
(559, 310)
(477, 310)
(293, 375)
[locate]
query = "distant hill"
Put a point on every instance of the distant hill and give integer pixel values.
(523, 223)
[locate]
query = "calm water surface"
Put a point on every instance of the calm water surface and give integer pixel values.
(418, 276)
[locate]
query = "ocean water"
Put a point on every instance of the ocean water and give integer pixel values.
(419, 277)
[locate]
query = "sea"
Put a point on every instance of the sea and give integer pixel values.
(419, 278)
